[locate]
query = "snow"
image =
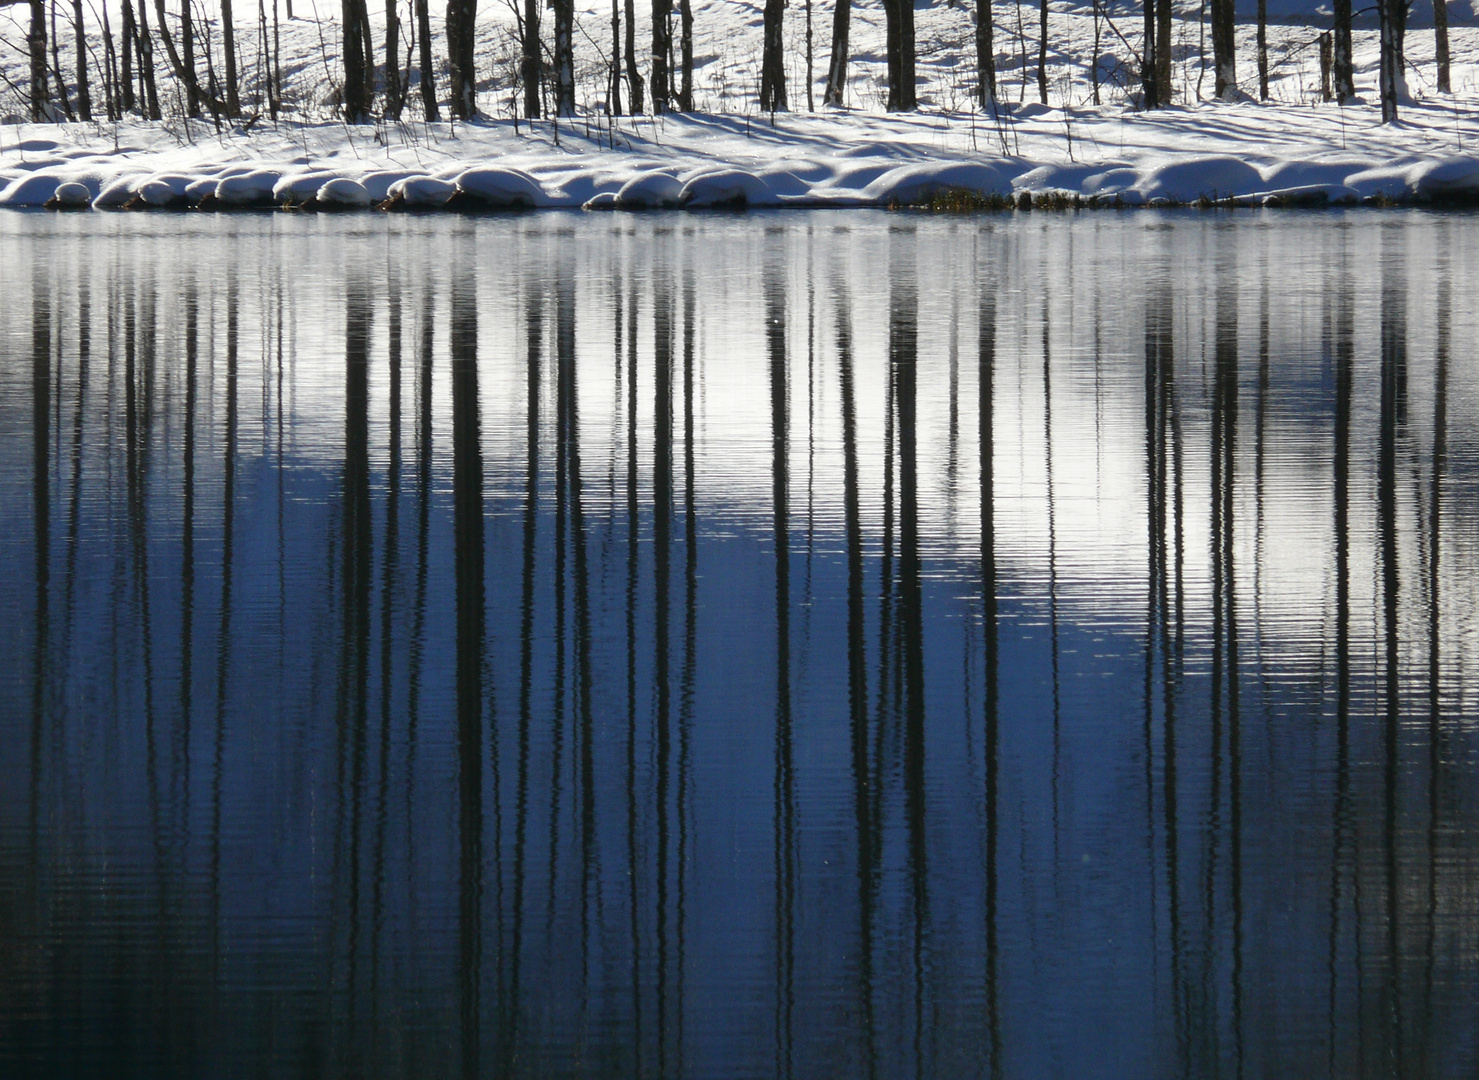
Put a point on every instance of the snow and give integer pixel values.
(1293, 150)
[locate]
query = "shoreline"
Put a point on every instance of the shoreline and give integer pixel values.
(1228, 155)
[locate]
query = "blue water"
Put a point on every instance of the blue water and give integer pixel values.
(804, 645)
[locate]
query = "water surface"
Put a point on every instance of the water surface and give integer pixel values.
(805, 645)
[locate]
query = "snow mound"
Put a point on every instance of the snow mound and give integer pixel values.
(249, 188)
(342, 193)
(163, 191)
(1446, 178)
(300, 187)
(421, 191)
(1187, 181)
(726, 188)
(910, 184)
(379, 183)
(39, 187)
(649, 191)
(71, 196)
(198, 191)
(120, 191)
(491, 187)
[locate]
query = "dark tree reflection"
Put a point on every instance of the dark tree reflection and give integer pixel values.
(477, 660)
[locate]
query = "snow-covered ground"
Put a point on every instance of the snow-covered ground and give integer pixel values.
(1295, 148)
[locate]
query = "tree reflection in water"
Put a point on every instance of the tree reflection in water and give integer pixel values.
(525, 648)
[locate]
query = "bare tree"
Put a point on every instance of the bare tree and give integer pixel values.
(228, 46)
(1148, 85)
(1163, 52)
(461, 63)
(613, 95)
(1440, 44)
(985, 56)
(1224, 46)
(529, 64)
(1094, 58)
(128, 35)
(1042, 51)
(634, 73)
(110, 70)
(359, 84)
(395, 95)
(772, 56)
(1341, 64)
(899, 26)
(148, 88)
(564, 57)
(40, 98)
(811, 105)
(427, 72)
(837, 63)
(1262, 50)
(662, 45)
(56, 69)
(685, 85)
(1391, 14)
(185, 61)
(276, 60)
(184, 69)
(84, 96)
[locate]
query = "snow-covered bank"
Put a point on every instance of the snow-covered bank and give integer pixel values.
(1241, 152)
(1294, 148)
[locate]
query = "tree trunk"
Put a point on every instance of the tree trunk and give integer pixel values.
(277, 60)
(358, 85)
(395, 96)
(1262, 50)
(1224, 59)
(837, 63)
(1440, 44)
(187, 57)
(428, 72)
(685, 83)
(1327, 51)
(613, 100)
(907, 90)
(772, 57)
(529, 65)
(1042, 51)
(186, 74)
(1094, 60)
(126, 76)
(1342, 65)
(147, 83)
(84, 94)
(1389, 13)
(1163, 52)
(56, 69)
(228, 45)
(1148, 85)
(661, 48)
(891, 46)
(899, 24)
(110, 70)
(40, 97)
(564, 57)
(634, 73)
(811, 105)
(461, 64)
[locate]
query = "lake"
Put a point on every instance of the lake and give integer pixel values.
(836, 644)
